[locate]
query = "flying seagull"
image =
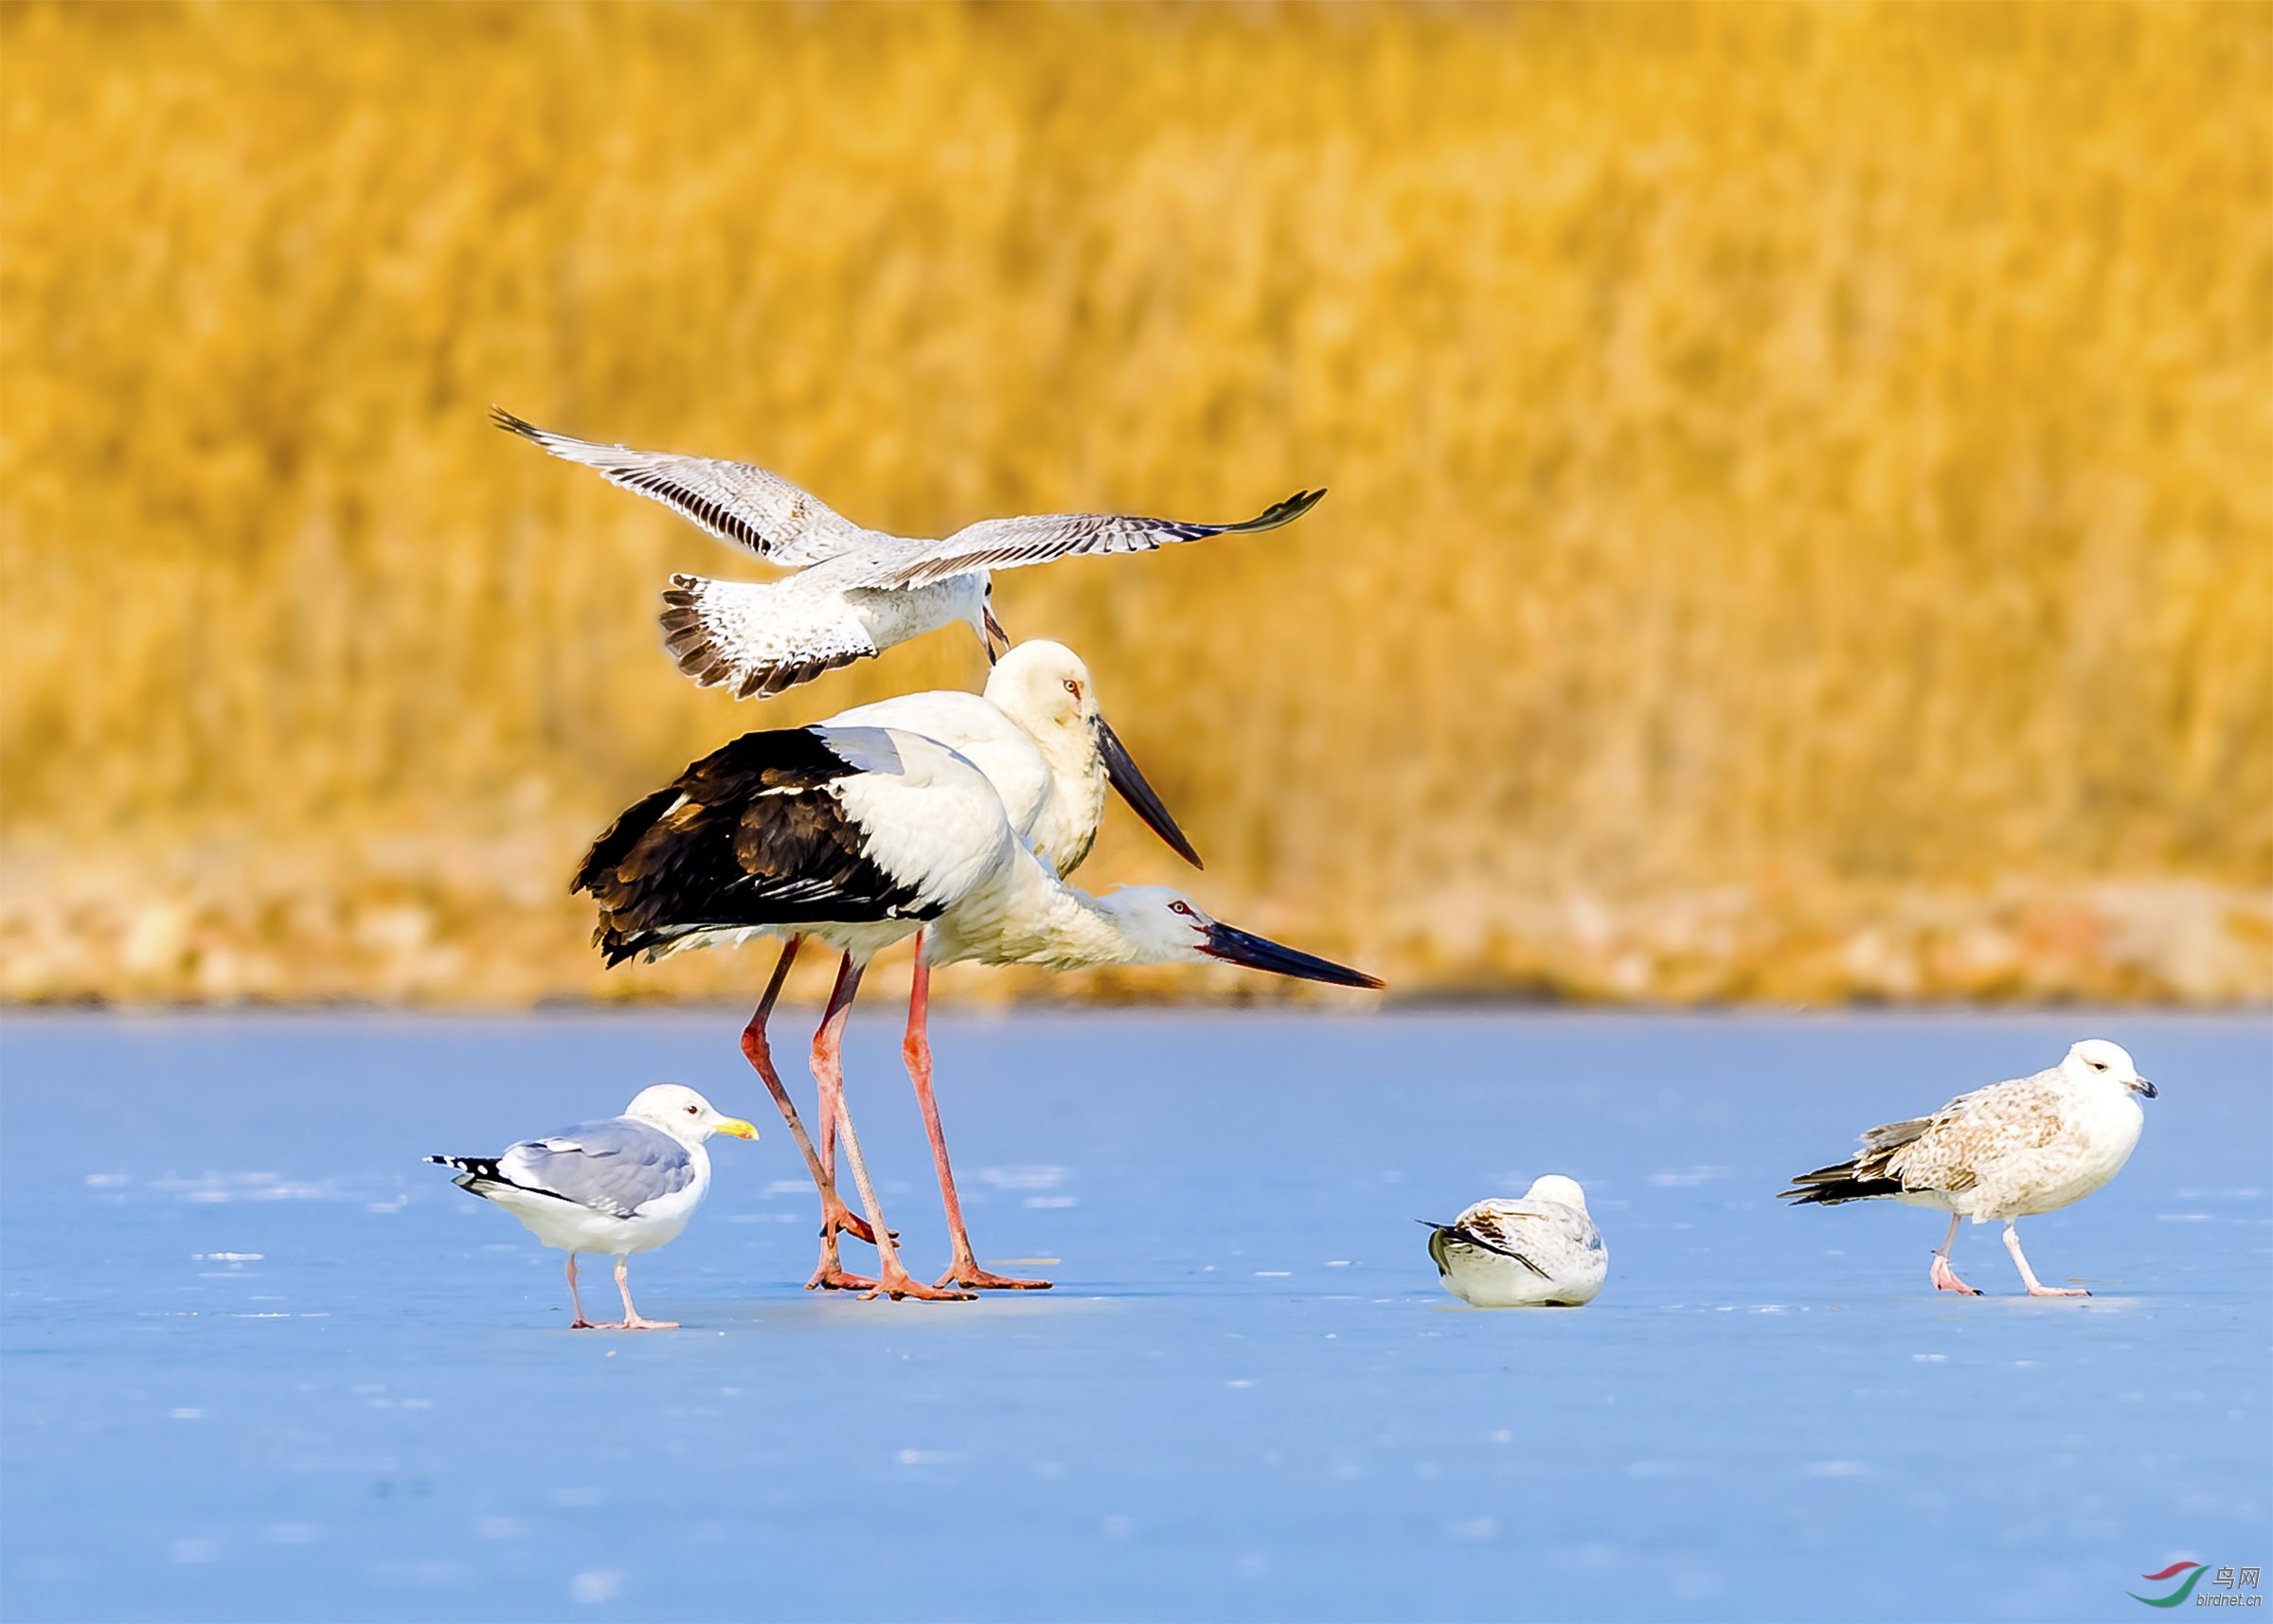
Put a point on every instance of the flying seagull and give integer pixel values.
(623, 1186)
(855, 592)
(1541, 1252)
(2011, 1150)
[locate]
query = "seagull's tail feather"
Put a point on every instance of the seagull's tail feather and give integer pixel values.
(472, 1171)
(700, 620)
(1866, 1176)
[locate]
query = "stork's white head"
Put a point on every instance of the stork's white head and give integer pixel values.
(1159, 926)
(1557, 1189)
(684, 1114)
(2096, 1060)
(1045, 689)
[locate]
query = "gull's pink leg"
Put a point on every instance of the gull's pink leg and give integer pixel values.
(892, 1278)
(1945, 1277)
(580, 1322)
(834, 1213)
(2027, 1276)
(916, 1051)
(631, 1320)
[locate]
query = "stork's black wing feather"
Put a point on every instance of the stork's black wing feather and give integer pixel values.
(754, 834)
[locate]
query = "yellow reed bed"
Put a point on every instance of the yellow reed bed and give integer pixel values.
(1800, 526)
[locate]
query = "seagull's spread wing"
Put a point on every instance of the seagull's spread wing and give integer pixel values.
(760, 638)
(1007, 544)
(614, 1167)
(734, 501)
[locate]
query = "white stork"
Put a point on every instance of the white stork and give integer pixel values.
(861, 837)
(1039, 737)
(855, 592)
(1041, 740)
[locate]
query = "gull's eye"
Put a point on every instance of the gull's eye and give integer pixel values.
(694, 1111)
(2098, 1065)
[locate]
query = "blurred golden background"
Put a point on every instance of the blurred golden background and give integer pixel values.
(1802, 515)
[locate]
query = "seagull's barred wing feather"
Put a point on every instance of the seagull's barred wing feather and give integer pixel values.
(1008, 543)
(734, 501)
(759, 638)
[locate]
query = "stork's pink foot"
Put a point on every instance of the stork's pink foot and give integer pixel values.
(1945, 1279)
(839, 1217)
(829, 1278)
(968, 1275)
(897, 1282)
(2037, 1291)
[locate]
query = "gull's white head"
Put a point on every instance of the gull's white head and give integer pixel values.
(1555, 1188)
(684, 1114)
(1159, 926)
(2096, 1060)
(1044, 687)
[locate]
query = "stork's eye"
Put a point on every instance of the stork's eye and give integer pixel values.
(1073, 687)
(1180, 908)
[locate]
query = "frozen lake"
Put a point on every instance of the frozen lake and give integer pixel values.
(261, 1363)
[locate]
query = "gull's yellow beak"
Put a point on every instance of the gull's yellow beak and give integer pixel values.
(737, 1127)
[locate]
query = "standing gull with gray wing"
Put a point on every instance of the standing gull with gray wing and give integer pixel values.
(855, 592)
(623, 1186)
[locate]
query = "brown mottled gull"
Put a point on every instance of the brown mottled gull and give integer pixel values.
(2012, 1150)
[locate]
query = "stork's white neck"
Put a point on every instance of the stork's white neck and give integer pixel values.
(1032, 918)
(1067, 825)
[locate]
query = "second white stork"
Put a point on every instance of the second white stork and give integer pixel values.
(860, 836)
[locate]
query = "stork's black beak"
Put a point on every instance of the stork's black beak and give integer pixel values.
(1237, 947)
(2142, 1085)
(1123, 774)
(994, 634)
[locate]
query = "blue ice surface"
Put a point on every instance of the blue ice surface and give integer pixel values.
(261, 1363)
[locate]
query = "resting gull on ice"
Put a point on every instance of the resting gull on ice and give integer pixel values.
(856, 591)
(2010, 1150)
(624, 1186)
(1541, 1252)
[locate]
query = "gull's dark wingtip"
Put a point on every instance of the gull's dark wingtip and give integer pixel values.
(1279, 513)
(522, 426)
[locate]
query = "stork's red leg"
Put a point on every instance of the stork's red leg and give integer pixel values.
(892, 1278)
(916, 1051)
(834, 1213)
